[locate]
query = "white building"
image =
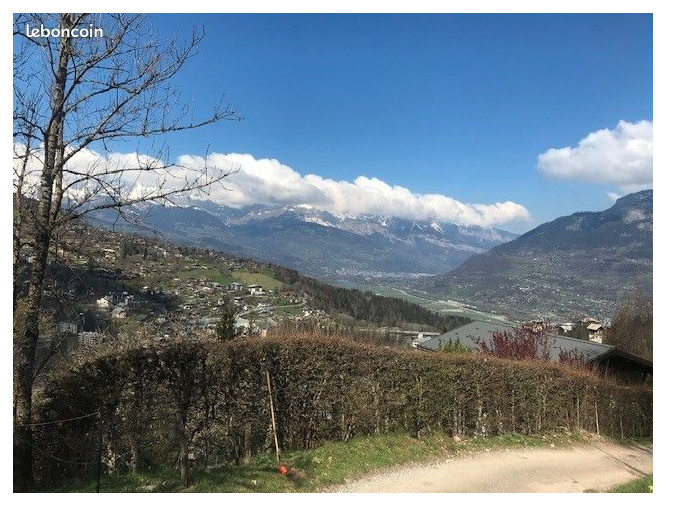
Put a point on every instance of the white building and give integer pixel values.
(256, 290)
(565, 328)
(119, 312)
(241, 325)
(67, 327)
(596, 332)
(105, 302)
(419, 339)
(87, 337)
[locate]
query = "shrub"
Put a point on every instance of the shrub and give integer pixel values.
(523, 343)
(575, 359)
(209, 401)
(456, 347)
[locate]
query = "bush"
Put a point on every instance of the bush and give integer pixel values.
(522, 343)
(208, 401)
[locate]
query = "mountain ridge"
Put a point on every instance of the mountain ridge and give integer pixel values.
(576, 265)
(342, 248)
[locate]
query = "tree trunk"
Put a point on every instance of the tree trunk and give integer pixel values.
(246, 444)
(24, 358)
(25, 344)
(184, 460)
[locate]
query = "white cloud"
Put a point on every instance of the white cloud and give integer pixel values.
(267, 181)
(622, 156)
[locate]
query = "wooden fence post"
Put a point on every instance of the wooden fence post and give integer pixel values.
(273, 416)
(100, 453)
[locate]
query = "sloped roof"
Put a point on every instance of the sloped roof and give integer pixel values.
(484, 330)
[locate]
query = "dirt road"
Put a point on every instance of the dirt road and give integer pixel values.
(595, 466)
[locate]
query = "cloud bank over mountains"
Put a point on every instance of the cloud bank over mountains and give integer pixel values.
(622, 156)
(267, 181)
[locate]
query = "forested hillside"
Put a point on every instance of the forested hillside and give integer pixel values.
(385, 311)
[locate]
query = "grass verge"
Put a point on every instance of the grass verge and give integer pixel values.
(320, 468)
(640, 485)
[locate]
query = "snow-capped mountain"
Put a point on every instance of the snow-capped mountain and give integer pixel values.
(322, 244)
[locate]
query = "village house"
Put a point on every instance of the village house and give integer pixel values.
(105, 302)
(209, 323)
(537, 325)
(67, 327)
(87, 337)
(596, 332)
(256, 290)
(242, 325)
(119, 312)
(418, 340)
(263, 326)
(564, 328)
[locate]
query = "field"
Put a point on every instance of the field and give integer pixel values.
(259, 278)
(449, 308)
(240, 276)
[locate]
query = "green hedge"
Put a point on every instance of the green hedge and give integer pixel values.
(210, 401)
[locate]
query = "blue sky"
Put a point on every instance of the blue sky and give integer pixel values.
(459, 105)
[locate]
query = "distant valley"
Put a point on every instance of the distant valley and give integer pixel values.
(578, 265)
(346, 250)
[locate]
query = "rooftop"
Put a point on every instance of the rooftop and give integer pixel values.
(483, 330)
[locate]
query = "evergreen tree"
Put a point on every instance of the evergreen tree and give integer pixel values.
(225, 330)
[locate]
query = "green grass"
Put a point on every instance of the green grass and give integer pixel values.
(640, 485)
(438, 306)
(320, 468)
(259, 278)
(240, 276)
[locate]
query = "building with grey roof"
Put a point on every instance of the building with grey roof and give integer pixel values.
(609, 358)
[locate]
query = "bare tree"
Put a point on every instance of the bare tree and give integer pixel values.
(73, 98)
(632, 327)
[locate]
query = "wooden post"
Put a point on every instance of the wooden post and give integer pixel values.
(596, 416)
(273, 416)
(247, 443)
(100, 453)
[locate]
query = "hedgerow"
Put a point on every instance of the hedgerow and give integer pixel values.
(203, 404)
